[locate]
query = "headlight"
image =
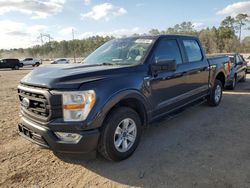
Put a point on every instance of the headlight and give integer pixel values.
(77, 105)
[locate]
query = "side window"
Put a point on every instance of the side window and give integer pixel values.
(193, 50)
(3, 61)
(238, 59)
(168, 49)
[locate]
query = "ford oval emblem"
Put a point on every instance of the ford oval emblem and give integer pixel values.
(25, 103)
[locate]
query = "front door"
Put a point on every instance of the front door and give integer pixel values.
(3, 63)
(168, 88)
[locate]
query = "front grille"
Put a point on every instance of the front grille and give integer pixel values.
(37, 102)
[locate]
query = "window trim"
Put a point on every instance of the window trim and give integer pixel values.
(184, 48)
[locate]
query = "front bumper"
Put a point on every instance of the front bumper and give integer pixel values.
(44, 136)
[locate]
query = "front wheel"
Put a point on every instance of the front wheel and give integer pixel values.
(233, 84)
(120, 134)
(215, 94)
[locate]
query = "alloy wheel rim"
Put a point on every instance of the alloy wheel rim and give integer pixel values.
(217, 93)
(125, 135)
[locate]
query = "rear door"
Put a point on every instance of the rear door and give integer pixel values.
(197, 68)
(15, 62)
(28, 61)
(62, 61)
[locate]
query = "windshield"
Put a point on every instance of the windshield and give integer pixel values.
(129, 51)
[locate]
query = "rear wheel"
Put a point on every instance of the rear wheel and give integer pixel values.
(37, 64)
(216, 94)
(120, 134)
(16, 67)
(233, 84)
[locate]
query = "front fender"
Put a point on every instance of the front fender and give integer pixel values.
(113, 100)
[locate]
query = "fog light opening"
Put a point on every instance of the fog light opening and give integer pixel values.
(68, 137)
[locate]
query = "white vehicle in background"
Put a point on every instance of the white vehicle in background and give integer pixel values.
(60, 61)
(248, 63)
(30, 61)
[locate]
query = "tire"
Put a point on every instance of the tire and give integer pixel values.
(233, 85)
(112, 144)
(37, 64)
(244, 78)
(21, 65)
(16, 67)
(215, 96)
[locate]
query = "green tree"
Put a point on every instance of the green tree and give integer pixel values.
(209, 40)
(229, 22)
(241, 21)
(226, 37)
(154, 32)
(246, 45)
(183, 28)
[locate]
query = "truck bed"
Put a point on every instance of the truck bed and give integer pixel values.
(217, 59)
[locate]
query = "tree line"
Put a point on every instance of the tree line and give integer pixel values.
(55, 49)
(225, 38)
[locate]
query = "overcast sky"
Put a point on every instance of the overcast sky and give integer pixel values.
(21, 21)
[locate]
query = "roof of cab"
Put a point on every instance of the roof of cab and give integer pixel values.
(155, 37)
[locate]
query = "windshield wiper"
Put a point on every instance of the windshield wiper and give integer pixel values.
(112, 64)
(108, 63)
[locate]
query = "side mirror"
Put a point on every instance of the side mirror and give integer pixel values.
(163, 65)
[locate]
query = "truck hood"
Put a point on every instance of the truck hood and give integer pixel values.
(68, 76)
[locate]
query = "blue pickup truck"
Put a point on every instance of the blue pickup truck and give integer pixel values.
(126, 84)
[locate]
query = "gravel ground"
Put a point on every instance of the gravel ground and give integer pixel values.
(202, 147)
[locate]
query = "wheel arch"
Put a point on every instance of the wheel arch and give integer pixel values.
(132, 99)
(221, 76)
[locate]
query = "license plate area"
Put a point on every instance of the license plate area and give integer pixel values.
(31, 135)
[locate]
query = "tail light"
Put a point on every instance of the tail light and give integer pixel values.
(229, 67)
